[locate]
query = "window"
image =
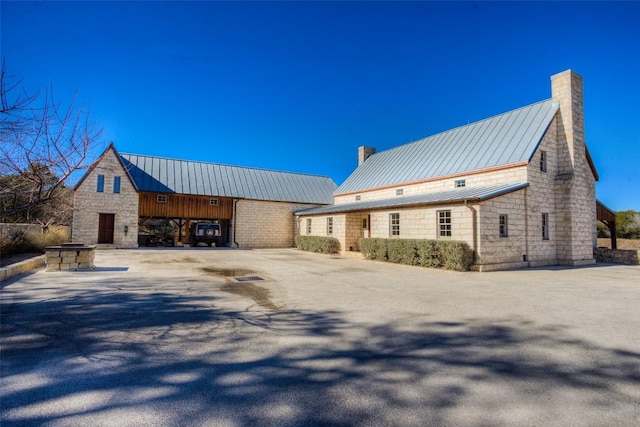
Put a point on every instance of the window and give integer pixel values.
(213, 202)
(543, 161)
(461, 183)
(329, 226)
(116, 184)
(504, 230)
(394, 224)
(308, 225)
(444, 223)
(358, 198)
(545, 226)
(161, 198)
(364, 223)
(399, 192)
(100, 184)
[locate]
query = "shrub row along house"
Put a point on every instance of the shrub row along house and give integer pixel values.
(519, 188)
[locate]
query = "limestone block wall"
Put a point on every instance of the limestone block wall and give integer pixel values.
(319, 227)
(618, 256)
(502, 176)
(263, 224)
(88, 204)
(492, 248)
(354, 230)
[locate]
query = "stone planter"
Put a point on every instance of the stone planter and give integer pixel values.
(70, 256)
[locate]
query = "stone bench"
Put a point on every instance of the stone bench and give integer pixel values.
(70, 256)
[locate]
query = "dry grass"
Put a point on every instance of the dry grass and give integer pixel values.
(622, 243)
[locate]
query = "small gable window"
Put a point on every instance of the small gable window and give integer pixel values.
(100, 188)
(213, 202)
(116, 184)
(543, 161)
(358, 198)
(161, 198)
(399, 192)
(461, 183)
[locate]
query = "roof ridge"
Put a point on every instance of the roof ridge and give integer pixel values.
(463, 126)
(225, 164)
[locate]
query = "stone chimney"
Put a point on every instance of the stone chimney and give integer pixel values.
(364, 153)
(566, 89)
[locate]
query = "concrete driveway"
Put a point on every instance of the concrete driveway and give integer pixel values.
(168, 337)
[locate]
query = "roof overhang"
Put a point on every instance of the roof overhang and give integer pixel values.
(467, 194)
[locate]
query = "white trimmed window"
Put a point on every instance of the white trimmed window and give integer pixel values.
(444, 223)
(329, 226)
(461, 183)
(545, 226)
(358, 198)
(161, 198)
(504, 226)
(394, 224)
(308, 225)
(399, 192)
(213, 202)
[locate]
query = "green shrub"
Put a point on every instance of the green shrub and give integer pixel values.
(449, 254)
(402, 251)
(324, 245)
(429, 254)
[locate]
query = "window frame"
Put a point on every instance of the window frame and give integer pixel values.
(213, 201)
(116, 184)
(358, 198)
(459, 183)
(445, 224)
(394, 224)
(543, 161)
(330, 226)
(503, 226)
(100, 184)
(399, 191)
(308, 226)
(161, 198)
(545, 226)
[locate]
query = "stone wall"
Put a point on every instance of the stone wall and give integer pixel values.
(503, 176)
(263, 224)
(618, 256)
(89, 203)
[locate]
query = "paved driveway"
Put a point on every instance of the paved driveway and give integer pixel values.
(168, 337)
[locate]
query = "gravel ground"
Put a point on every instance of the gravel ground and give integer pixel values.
(165, 337)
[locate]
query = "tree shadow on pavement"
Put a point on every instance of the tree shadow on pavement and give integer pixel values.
(128, 356)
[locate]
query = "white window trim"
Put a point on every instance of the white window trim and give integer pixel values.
(442, 224)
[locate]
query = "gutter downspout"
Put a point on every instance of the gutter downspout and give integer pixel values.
(474, 229)
(526, 230)
(235, 222)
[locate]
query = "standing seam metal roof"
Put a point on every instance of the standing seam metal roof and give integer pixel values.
(501, 140)
(163, 175)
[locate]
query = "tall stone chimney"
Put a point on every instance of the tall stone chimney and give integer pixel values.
(364, 153)
(566, 89)
(575, 212)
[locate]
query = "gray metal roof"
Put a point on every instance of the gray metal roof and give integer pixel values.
(471, 194)
(162, 175)
(505, 139)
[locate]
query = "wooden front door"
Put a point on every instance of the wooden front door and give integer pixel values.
(105, 228)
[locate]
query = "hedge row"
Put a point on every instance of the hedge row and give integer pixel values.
(323, 245)
(449, 254)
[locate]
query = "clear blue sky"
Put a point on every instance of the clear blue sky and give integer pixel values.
(298, 86)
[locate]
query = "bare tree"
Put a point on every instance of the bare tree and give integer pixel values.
(42, 144)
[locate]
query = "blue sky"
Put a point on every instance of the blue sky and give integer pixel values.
(298, 86)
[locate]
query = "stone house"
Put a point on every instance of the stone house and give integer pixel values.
(519, 188)
(254, 207)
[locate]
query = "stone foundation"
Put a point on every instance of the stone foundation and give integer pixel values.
(618, 256)
(70, 256)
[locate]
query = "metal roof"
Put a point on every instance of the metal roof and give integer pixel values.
(457, 195)
(163, 175)
(505, 139)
